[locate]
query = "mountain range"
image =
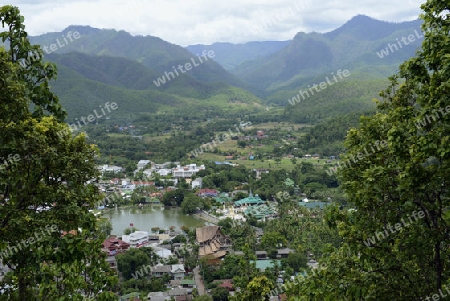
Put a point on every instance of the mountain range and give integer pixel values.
(143, 74)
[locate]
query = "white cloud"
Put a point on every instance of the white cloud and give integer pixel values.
(204, 21)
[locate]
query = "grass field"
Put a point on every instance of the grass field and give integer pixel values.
(287, 126)
(267, 163)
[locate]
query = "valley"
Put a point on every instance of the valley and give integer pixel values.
(266, 170)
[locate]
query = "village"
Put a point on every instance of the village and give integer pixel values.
(177, 254)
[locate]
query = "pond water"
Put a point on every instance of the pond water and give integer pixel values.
(149, 217)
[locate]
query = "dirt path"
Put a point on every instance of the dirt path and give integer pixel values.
(199, 282)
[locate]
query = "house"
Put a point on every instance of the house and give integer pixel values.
(260, 171)
(164, 172)
(177, 271)
(153, 239)
(212, 241)
(197, 183)
(160, 270)
(163, 253)
(136, 239)
(111, 260)
(142, 164)
(186, 171)
(109, 169)
(207, 193)
(226, 283)
(284, 253)
(261, 254)
(178, 292)
(175, 283)
(187, 283)
(142, 183)
(113, 245)
(157, 296)
(184, 298)
(147, 173)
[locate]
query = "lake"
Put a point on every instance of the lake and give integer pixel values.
(149, 217)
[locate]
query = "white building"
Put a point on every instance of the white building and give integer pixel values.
(163, 172)
(109, 168)
(142, 163)
(197, 183)
(136, 239)
(187, 171)
(177, 271)
(147, 173)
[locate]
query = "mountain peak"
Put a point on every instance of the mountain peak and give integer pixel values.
(82, 29)
(367, 29)
(361, 19)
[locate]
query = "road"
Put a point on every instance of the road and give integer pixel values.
(199, 282)
(208, 217)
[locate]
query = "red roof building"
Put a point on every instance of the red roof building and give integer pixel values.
(113, 245)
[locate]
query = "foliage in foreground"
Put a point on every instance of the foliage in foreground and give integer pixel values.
(49, 238)
(396, 239)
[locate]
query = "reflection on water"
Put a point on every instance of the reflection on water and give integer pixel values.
(149, 217)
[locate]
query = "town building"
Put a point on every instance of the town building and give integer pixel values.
(197, 183)
(113, 246)
(212, 241)
(136, 239)
(186, 171)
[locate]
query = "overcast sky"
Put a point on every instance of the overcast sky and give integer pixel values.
(186, 22)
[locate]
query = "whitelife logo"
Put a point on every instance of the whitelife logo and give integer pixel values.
(391, 48)
(90, 118)
(359, 157)
(187, 66)
(398, 226)
(321, 86)
(34, 56)
(431, 118)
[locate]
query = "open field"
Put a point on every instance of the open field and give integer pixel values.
(267, 163)
(287, 126)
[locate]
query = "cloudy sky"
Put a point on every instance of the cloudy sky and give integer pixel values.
(186, 22)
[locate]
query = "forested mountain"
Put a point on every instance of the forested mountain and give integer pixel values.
(107, 65)
(152, 52)
(231, 55)
(86, 82)
(357, 45)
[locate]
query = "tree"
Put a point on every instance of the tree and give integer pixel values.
(296, 261)
(191, 203)
(131, 261)
(49, 237)
(184, 228)
(173, 197)
(396, 178)
(104, 226)
(128, 231)
(241, 144)
(219, 294)
(257, 289)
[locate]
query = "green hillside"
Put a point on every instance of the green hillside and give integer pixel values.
(86, 83)
(151, 52)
